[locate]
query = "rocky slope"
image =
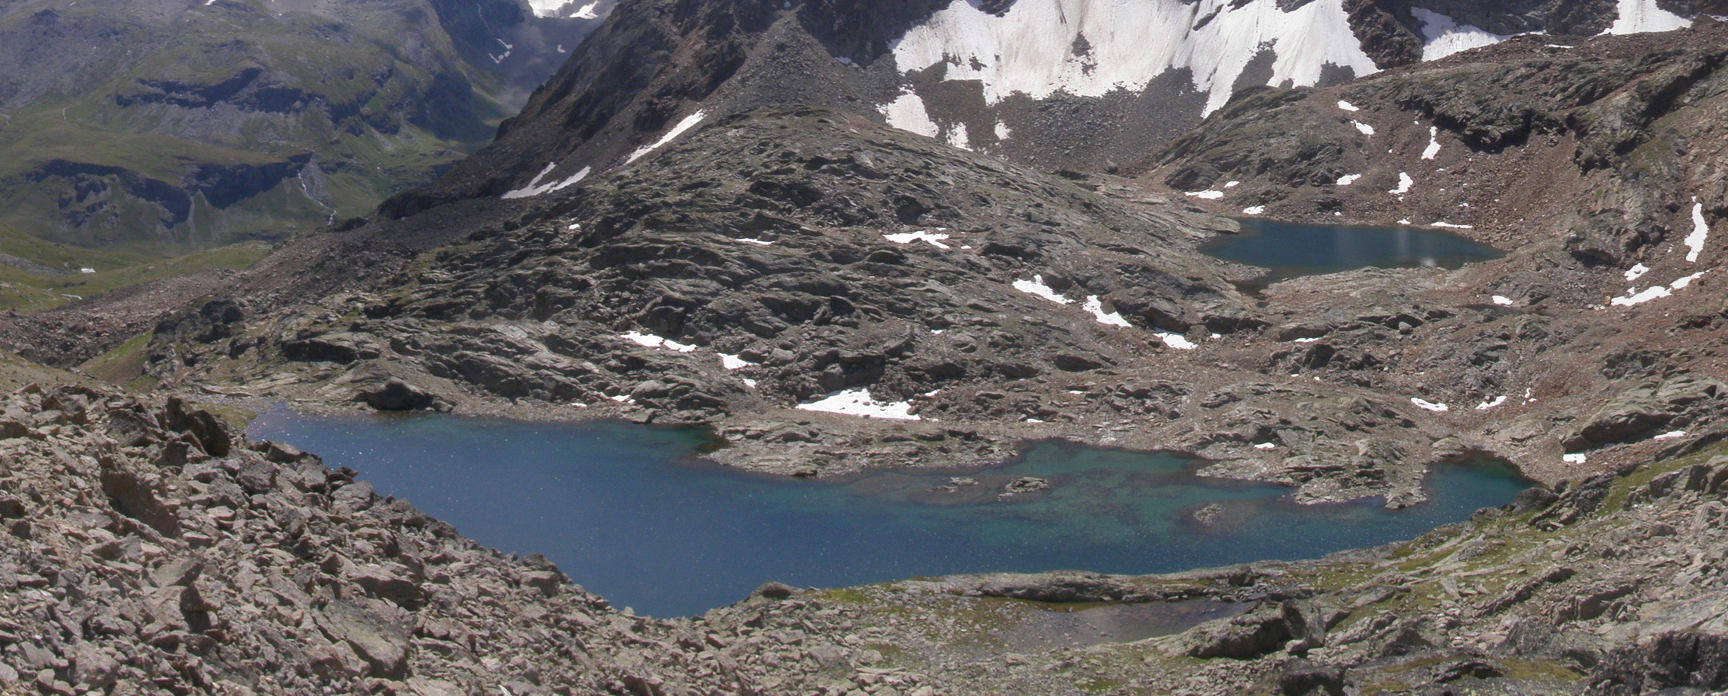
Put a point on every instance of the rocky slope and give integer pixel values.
(817, 270)
(1598, 164)
(178, 123)
(1080, 84)
(151, 549)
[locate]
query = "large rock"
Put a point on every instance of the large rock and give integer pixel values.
(397, 395)
(1647, 410)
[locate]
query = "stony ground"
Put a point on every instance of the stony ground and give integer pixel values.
(149, 548)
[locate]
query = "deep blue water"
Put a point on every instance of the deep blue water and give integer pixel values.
(629, 512)
(1288, 249)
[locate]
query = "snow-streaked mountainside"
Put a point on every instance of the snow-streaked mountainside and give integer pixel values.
(572, 9)
(1078, 84)
(1092, 47)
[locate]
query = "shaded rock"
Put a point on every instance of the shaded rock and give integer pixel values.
(397, 395)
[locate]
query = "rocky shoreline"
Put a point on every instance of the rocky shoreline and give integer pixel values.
(151, 548)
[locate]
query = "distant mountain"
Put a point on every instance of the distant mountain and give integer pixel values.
(1082, 84)
(186, 123)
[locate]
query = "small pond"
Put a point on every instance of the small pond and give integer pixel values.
(631, 512)
(1288, 250)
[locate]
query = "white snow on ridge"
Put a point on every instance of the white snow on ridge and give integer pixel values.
(1036, 286)
(557, 8)
(677, 130)
(1030, 48)
(1700, 232)
(1637, 16)
(1444, 36)
(858, 402)
(535, 188)
(1096, 307)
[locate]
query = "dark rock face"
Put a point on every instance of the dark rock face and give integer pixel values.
(397, 395)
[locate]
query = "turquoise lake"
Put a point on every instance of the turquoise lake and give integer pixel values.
(632, 513)
(1288, 250)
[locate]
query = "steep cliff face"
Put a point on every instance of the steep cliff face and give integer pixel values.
(190, 124)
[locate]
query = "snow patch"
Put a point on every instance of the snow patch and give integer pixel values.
(1700, 232)
(1266, 446)
(1429, 405)
(1003, 131)
(1347, 106)
(1503, 300)
(934, 240)
(1254, 210)
(1681, 283)
(1030, 48)
(1363, 128)
(958, 137)
(907, 113)
(1636, 272)
(535, 188)
(1096, 307)
(1637, 297)
(1404, 184)
(1433, 148)
(677, 130)
(1036, 286)
(1639, 16)
(858, 402)
(1348, 179)
(1646, 295)
(1443, 36)
(1491, 404)
(753, 240)
(1175, 340)
(1574, 458)
(651, 341)
(1441, 223)
(1670, 435)
(733, 362)
(1210, 195)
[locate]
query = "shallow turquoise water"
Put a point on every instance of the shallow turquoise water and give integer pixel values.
(1288, 249)
(629, 512)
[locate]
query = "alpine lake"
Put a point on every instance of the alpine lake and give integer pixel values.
(634, 514)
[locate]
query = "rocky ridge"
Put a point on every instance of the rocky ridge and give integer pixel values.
(192, 124)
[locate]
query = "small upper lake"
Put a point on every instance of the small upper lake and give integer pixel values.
(1288, 250)
(631, 513)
